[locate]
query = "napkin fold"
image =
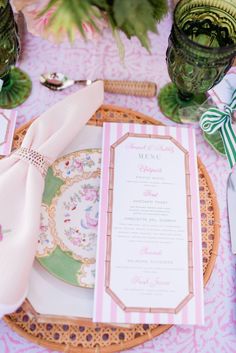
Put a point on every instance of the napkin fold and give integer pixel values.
(22, 184)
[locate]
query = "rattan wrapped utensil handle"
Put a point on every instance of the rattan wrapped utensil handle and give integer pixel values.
(132, 88)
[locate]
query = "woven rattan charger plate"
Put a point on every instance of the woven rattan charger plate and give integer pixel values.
(84, 336)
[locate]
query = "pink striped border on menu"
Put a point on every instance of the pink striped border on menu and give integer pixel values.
(7, 128)
(105, 308)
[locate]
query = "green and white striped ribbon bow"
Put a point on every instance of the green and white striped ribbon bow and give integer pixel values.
(214, 119)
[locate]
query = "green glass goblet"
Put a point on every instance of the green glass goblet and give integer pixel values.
(15, 84)
(202, 46)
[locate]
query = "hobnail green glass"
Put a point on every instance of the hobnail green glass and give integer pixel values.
(202, 46)
(16, 85)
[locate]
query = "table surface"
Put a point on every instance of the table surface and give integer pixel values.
(100, 59)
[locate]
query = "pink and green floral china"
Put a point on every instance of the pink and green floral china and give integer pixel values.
(69, 218)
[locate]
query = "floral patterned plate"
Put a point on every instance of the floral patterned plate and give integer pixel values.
(69, 218)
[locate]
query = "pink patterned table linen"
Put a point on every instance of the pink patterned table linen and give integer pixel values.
(101, 59)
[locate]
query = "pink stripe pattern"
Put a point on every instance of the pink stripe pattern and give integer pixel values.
(102, 227)
(185, 315)
(197, 255)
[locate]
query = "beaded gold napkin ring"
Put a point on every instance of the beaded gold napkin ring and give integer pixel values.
(34, 158)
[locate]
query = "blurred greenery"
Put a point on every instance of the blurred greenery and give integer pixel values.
(133, 17)
(3, 3)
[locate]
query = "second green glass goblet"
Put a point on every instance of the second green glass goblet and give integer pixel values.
(202, 46)
(15, 84)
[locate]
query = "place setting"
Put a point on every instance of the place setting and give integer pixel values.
(79, 298)
(109, 220)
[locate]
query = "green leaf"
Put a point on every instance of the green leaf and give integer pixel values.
(216, 142)
(135, 18)
(3, 3)
(48, 7)
(72, 14)
(101, 4)
(120, 45)
(160, 8)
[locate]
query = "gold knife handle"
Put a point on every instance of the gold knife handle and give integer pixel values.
(131, 88)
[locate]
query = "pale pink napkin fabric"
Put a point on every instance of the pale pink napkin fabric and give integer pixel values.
(22, 185)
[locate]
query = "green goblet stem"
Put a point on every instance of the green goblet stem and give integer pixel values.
(178, 106)
(184, 96)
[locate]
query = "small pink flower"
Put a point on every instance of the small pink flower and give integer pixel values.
(43, 228)
(79, 165)
(91, 222)
(76, 241)
(90, 194)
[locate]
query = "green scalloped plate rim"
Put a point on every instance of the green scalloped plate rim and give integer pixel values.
(60, 263)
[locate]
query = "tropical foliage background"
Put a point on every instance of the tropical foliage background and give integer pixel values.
(55, 19)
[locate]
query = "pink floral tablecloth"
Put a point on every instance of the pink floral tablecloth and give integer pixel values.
(101, 60)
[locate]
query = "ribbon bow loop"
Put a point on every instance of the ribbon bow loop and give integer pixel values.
(229, 110)
(215, 119)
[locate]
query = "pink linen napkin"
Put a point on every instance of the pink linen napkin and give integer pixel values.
(22, 184)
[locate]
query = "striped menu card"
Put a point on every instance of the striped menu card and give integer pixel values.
(149, 256)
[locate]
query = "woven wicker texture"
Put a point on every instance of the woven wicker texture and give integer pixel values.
(132, 88)
(84, 336)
